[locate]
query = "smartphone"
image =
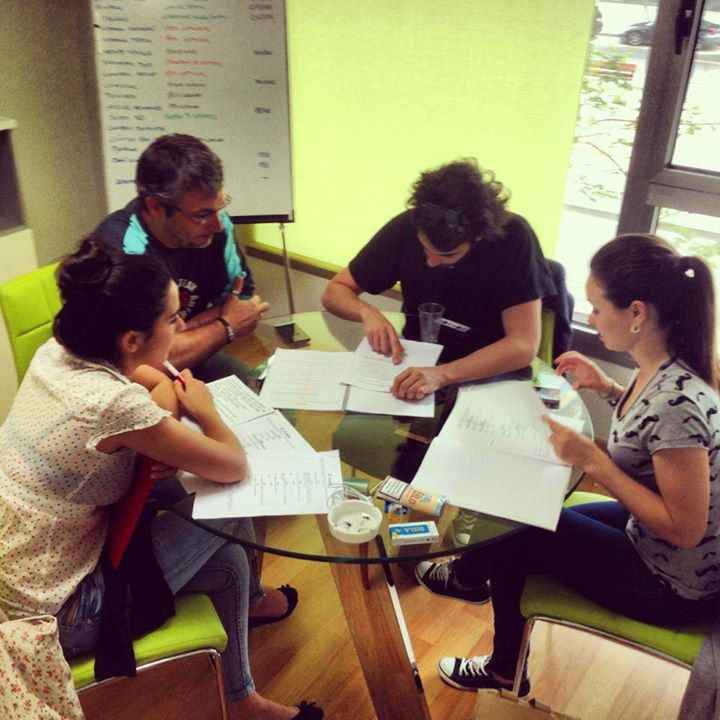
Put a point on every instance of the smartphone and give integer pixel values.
(549, 396)
(292, 334)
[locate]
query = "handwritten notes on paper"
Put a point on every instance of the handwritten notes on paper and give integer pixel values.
(372, 371)
(306, 380)
(288, 484)
(493, 455)
(287, 477)
(314, 380)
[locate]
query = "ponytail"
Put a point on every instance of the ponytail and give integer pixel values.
(646, 267)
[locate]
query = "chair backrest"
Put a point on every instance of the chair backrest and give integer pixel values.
(556, 316)
(29, 304)
(545, 352)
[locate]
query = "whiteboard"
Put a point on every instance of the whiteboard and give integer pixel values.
(216, 69)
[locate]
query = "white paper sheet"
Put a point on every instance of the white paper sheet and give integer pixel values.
(311, 380)
(288, 484)
(503, 415)
(382, 403)
(271, 434)
(370, 370)
(306, 380)
(235, 401)
(515, 487)
(493, 455)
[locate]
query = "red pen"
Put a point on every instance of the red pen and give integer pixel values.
(174, 373)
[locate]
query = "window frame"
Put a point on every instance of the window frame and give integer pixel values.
(653, 182)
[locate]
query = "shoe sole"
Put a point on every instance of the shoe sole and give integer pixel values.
(451, 597)
(449, 681)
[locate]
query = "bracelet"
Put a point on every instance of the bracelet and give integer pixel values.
(608, 396)
(228, 328)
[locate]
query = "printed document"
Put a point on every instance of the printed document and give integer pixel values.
(314, 380)
(271, 434)
(494, 456)
(306, 380)
(287, 484)
(372, 371)
(235, 401)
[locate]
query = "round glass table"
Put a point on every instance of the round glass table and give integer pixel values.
(372, 447)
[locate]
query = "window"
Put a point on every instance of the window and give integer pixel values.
(646, 156)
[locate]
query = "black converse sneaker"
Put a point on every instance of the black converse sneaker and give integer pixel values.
(472, 674)
(439, 579)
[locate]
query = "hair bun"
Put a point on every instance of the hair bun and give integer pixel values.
(86, 272)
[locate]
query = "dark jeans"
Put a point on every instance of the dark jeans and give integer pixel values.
(590, 552)
(218, 366)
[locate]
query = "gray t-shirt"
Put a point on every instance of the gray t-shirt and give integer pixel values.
(675, 410)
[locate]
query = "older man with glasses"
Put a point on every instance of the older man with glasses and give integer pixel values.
(179, 215)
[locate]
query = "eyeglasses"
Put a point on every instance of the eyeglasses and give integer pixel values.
(203, 218)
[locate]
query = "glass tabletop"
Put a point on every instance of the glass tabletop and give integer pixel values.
(374, 446)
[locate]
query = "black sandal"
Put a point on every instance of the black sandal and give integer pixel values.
(309, 711)
(292, 597)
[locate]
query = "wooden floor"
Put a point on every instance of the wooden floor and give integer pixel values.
(311, 656)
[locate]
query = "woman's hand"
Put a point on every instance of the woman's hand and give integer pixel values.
(160, 471)
(587, 373)
(194, 396)
(571, 447)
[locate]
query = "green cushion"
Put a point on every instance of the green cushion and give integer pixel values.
(545, 351)
(547, 596)
(580, 497)
(29, 304)
(195, 626)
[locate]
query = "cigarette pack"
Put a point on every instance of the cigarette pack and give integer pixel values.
(413, 533)
(397, 491)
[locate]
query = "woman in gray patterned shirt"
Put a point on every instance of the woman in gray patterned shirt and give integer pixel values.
(654, 553)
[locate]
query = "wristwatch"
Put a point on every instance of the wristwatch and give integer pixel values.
(228, 328)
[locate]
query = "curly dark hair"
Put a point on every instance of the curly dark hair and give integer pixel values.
(459, 202)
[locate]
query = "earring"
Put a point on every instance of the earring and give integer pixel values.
(635, 329)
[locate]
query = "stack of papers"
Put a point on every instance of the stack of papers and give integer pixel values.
(287, 477)
(356, 382)
(494, 456)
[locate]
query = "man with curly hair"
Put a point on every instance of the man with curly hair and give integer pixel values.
(456, 245)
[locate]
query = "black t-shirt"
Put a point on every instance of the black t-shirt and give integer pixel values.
(493, 276)
(204, 275)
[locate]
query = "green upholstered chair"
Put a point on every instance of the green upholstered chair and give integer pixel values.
(545, 352)
(29, 304)
(550, 600)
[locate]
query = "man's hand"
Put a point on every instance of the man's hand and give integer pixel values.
(381, 334)
(417, 382)
(243, 315)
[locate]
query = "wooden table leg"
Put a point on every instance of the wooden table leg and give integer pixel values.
(395, 690)
(363, 552)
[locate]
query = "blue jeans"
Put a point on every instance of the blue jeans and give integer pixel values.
(193, 561)
(590, 552)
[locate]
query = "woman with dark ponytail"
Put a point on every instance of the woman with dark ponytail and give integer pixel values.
(654, 552)
(93, 397)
